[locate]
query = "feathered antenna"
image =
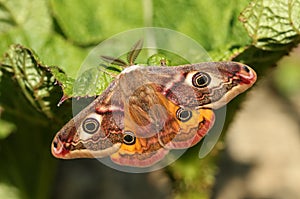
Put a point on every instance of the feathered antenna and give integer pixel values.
(114, 61)
(131, 56)
(134, 52)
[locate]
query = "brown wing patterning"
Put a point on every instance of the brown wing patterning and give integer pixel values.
(148, 111)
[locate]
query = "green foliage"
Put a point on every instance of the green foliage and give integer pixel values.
(91, 82)
(6, 128)
(93, 20)
(274, 28)
(212, 23)
(62, 32)
(287, 76)
(32, 78)
(28, 102)
(273, 25)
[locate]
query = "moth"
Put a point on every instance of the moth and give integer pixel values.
(149, 110)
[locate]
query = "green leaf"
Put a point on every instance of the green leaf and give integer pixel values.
(158, 59)
(273, 25)
(28, 108)
(7, 19)
(91, 82)
(34, 79)
(59, 52)
(6, 128)
(287, 76)
(63, 80)
(92, 21)
(26, 22)
(212, 23)
(29, 23)
(9, 192)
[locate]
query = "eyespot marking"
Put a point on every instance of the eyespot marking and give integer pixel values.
(183, 115)
(90, 125)
(201, 79)
(129, 138)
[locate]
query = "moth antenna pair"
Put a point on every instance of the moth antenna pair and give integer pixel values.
(131, 56)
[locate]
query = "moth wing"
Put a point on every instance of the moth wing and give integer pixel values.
(193, 124)
(95, 132)
(153, 122)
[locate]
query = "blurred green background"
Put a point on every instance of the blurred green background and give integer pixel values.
(258, 157)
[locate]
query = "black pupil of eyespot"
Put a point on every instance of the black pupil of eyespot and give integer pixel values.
(129, 138)
(201, 80)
